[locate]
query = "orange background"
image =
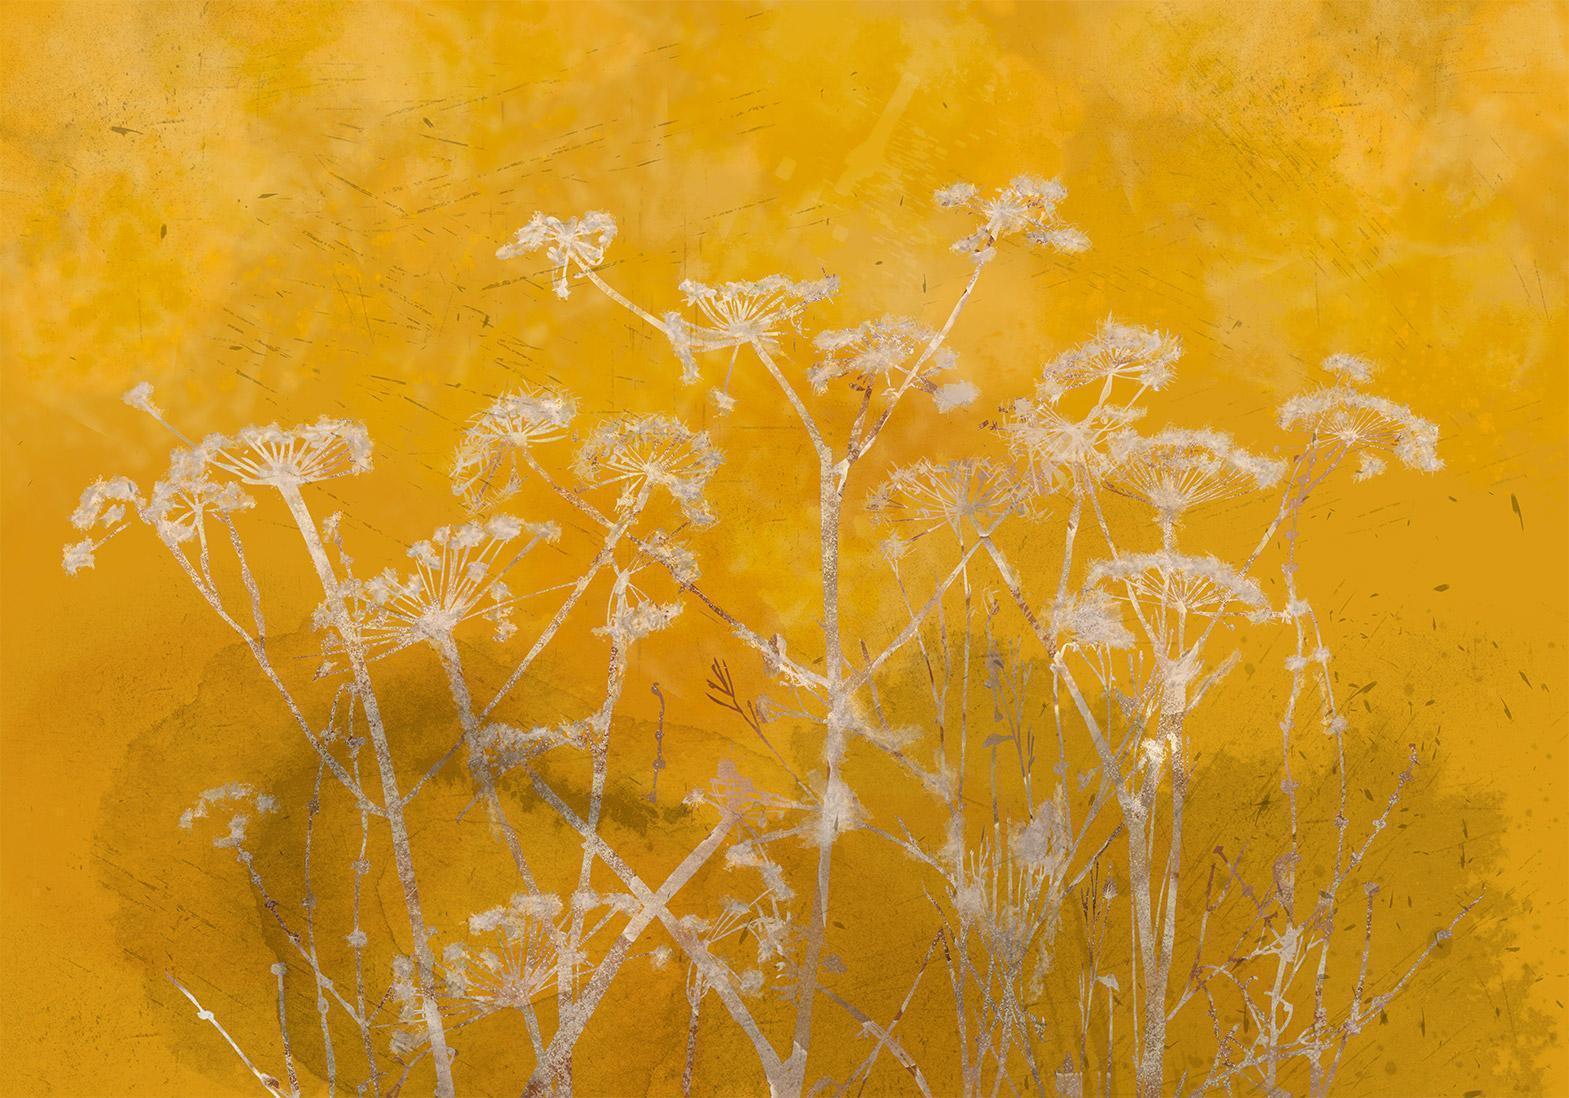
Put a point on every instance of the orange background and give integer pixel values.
(277, 211)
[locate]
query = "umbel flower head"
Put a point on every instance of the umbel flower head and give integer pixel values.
(577, 242)
(457, 576)
(1090, 619)
(1008, 894)
(102, 509)
(1118, 351)
(280, 458)
(654, 452)
(514, 968)
(970, 492)
(187, 497)
(1361, 423)
(890, 347)
(1177, 470)
(242, 797)
(485, 468)
(1054, 444)
(1027, 205)
(1173, 583)
(736, 314)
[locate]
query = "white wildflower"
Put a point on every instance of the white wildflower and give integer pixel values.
(740, 314)
(282, 458)
(633, 621)
(1177, 470)
(1350, 367)
(1091, 619)
(971, 493)
(140, 396)
(1117, 352)
(651, 451)
(78, 555)
(1193, 586)
(457, 577)
(1052, 442)
(956, 394)
(897, 349)
(1026, 206)
(489, 463)
(1360, 422)
(577, 242)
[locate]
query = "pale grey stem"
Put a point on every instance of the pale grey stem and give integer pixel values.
(578, 1013)
(403, 858)
(484, 777)
(267, 1081)
(714, 970)
(278, 970)
(259, 653)
(311, 811)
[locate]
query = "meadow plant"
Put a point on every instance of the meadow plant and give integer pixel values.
(1045, 705)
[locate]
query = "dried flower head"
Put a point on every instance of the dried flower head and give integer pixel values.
(245, 800)
(1052, 443)
(485, 469)
(282, 458)
(1009, 896)
(637, 617)
(1027, 205)
(652, 452)
(140, 396)
(183, 501)
(1090, 619)
(1360, 422)
(1350, 367)
(1177, 470)
(897, 348)
(1185, 585)
(577, 242)
(516, 968)
(457, 576)
(1118, 351)
(971, 493)
(104, 505)
(736, 314)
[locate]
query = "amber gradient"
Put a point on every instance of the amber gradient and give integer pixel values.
(276, 211)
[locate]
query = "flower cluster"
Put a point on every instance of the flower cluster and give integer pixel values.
(900, 350)
(740, 314)
(645, 452)
(1187, 585)
(457, 576)
(1118, 351)
(635, 618)
(1054, 444)
(1027, 205)
(187, 497)
(104, 505)
(1008, 895)
(1090, 619)
(485, 468)
(245, 800)
(971, 493)
(1177, 470)
(578, 242)
(287, 458)
(1362, 423)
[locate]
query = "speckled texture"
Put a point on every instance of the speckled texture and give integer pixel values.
(279, 211)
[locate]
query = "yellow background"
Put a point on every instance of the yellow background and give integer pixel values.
(278, 211)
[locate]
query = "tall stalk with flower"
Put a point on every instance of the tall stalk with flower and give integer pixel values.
(1037, 710)
(1133, 638)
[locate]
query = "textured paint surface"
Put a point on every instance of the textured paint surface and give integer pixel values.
(278, 211)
